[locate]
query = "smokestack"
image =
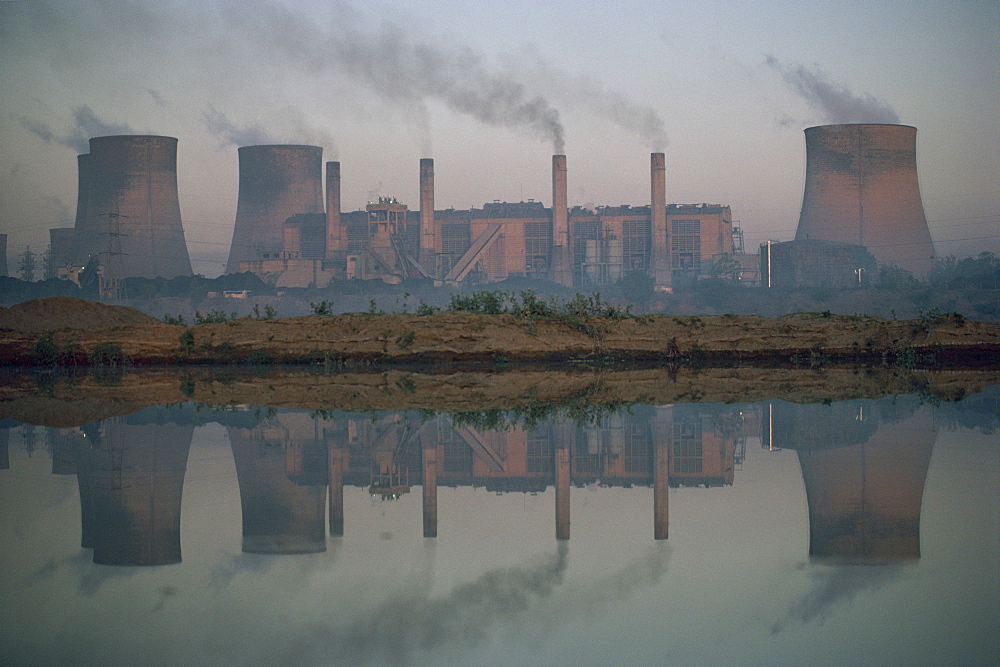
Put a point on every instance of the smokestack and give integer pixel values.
(660, 261)
(128, 206)
(276, 182)
(3, 255)
(336, 241)
(560, 270)
(862, 188)
(428, 227)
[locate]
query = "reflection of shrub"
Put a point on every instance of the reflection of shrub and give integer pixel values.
(259, 357)
(44, 352)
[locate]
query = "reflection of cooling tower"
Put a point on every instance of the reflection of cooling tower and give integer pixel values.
(280, 516)
(861, 188)
(276, 182)
(127, 206)
(131, 478)
(864, 464)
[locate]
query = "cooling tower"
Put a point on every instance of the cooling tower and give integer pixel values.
(861, 188)
(128, 212)
(276, 182)
(61, 243)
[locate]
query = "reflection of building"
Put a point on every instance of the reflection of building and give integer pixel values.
(864, 464)
(131, 477)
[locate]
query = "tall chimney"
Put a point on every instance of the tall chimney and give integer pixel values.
(428, 227)
(560, 269)
(336, 244)
(861, 188)
(660, 261)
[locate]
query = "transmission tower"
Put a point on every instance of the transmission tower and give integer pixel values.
(27, 267)
(112, 280)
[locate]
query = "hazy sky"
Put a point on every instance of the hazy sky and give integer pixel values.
(491, 90)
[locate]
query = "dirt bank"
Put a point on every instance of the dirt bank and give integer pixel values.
(74, 330)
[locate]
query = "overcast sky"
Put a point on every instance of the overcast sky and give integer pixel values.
(491, 90)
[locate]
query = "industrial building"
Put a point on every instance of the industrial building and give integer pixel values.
(811, 263)
(277, 235)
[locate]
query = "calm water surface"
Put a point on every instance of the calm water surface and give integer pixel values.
(859, 532)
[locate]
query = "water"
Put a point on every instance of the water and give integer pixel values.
(855, 532)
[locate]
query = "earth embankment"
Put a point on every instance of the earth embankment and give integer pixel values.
(66, 331)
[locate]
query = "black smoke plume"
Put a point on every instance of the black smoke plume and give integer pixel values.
(836, 102)
(399, 69)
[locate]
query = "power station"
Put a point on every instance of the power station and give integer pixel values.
(861, 195)
(568, 246)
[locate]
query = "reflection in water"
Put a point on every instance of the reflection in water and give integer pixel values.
(131, 477)
(301, 476)
(864, 464)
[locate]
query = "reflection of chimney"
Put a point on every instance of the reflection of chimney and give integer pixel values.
(562, 493)
(431, 462)
(560, 270)
(4, 455)
(428, 229)
(660, 261)
(336, 244)
(337, 466)
(662, 443)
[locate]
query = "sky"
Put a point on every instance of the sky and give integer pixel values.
(491, 91)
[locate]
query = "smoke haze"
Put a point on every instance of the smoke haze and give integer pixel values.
(86, 125)
(396, 68)
(837, 103)
(590, 94)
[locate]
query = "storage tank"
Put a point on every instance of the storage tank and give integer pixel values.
(128, 206)
(862, 188)
(276, 182)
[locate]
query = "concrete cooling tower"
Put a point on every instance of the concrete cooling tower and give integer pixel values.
(861, 188)
(276, 182)
(128, 213)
